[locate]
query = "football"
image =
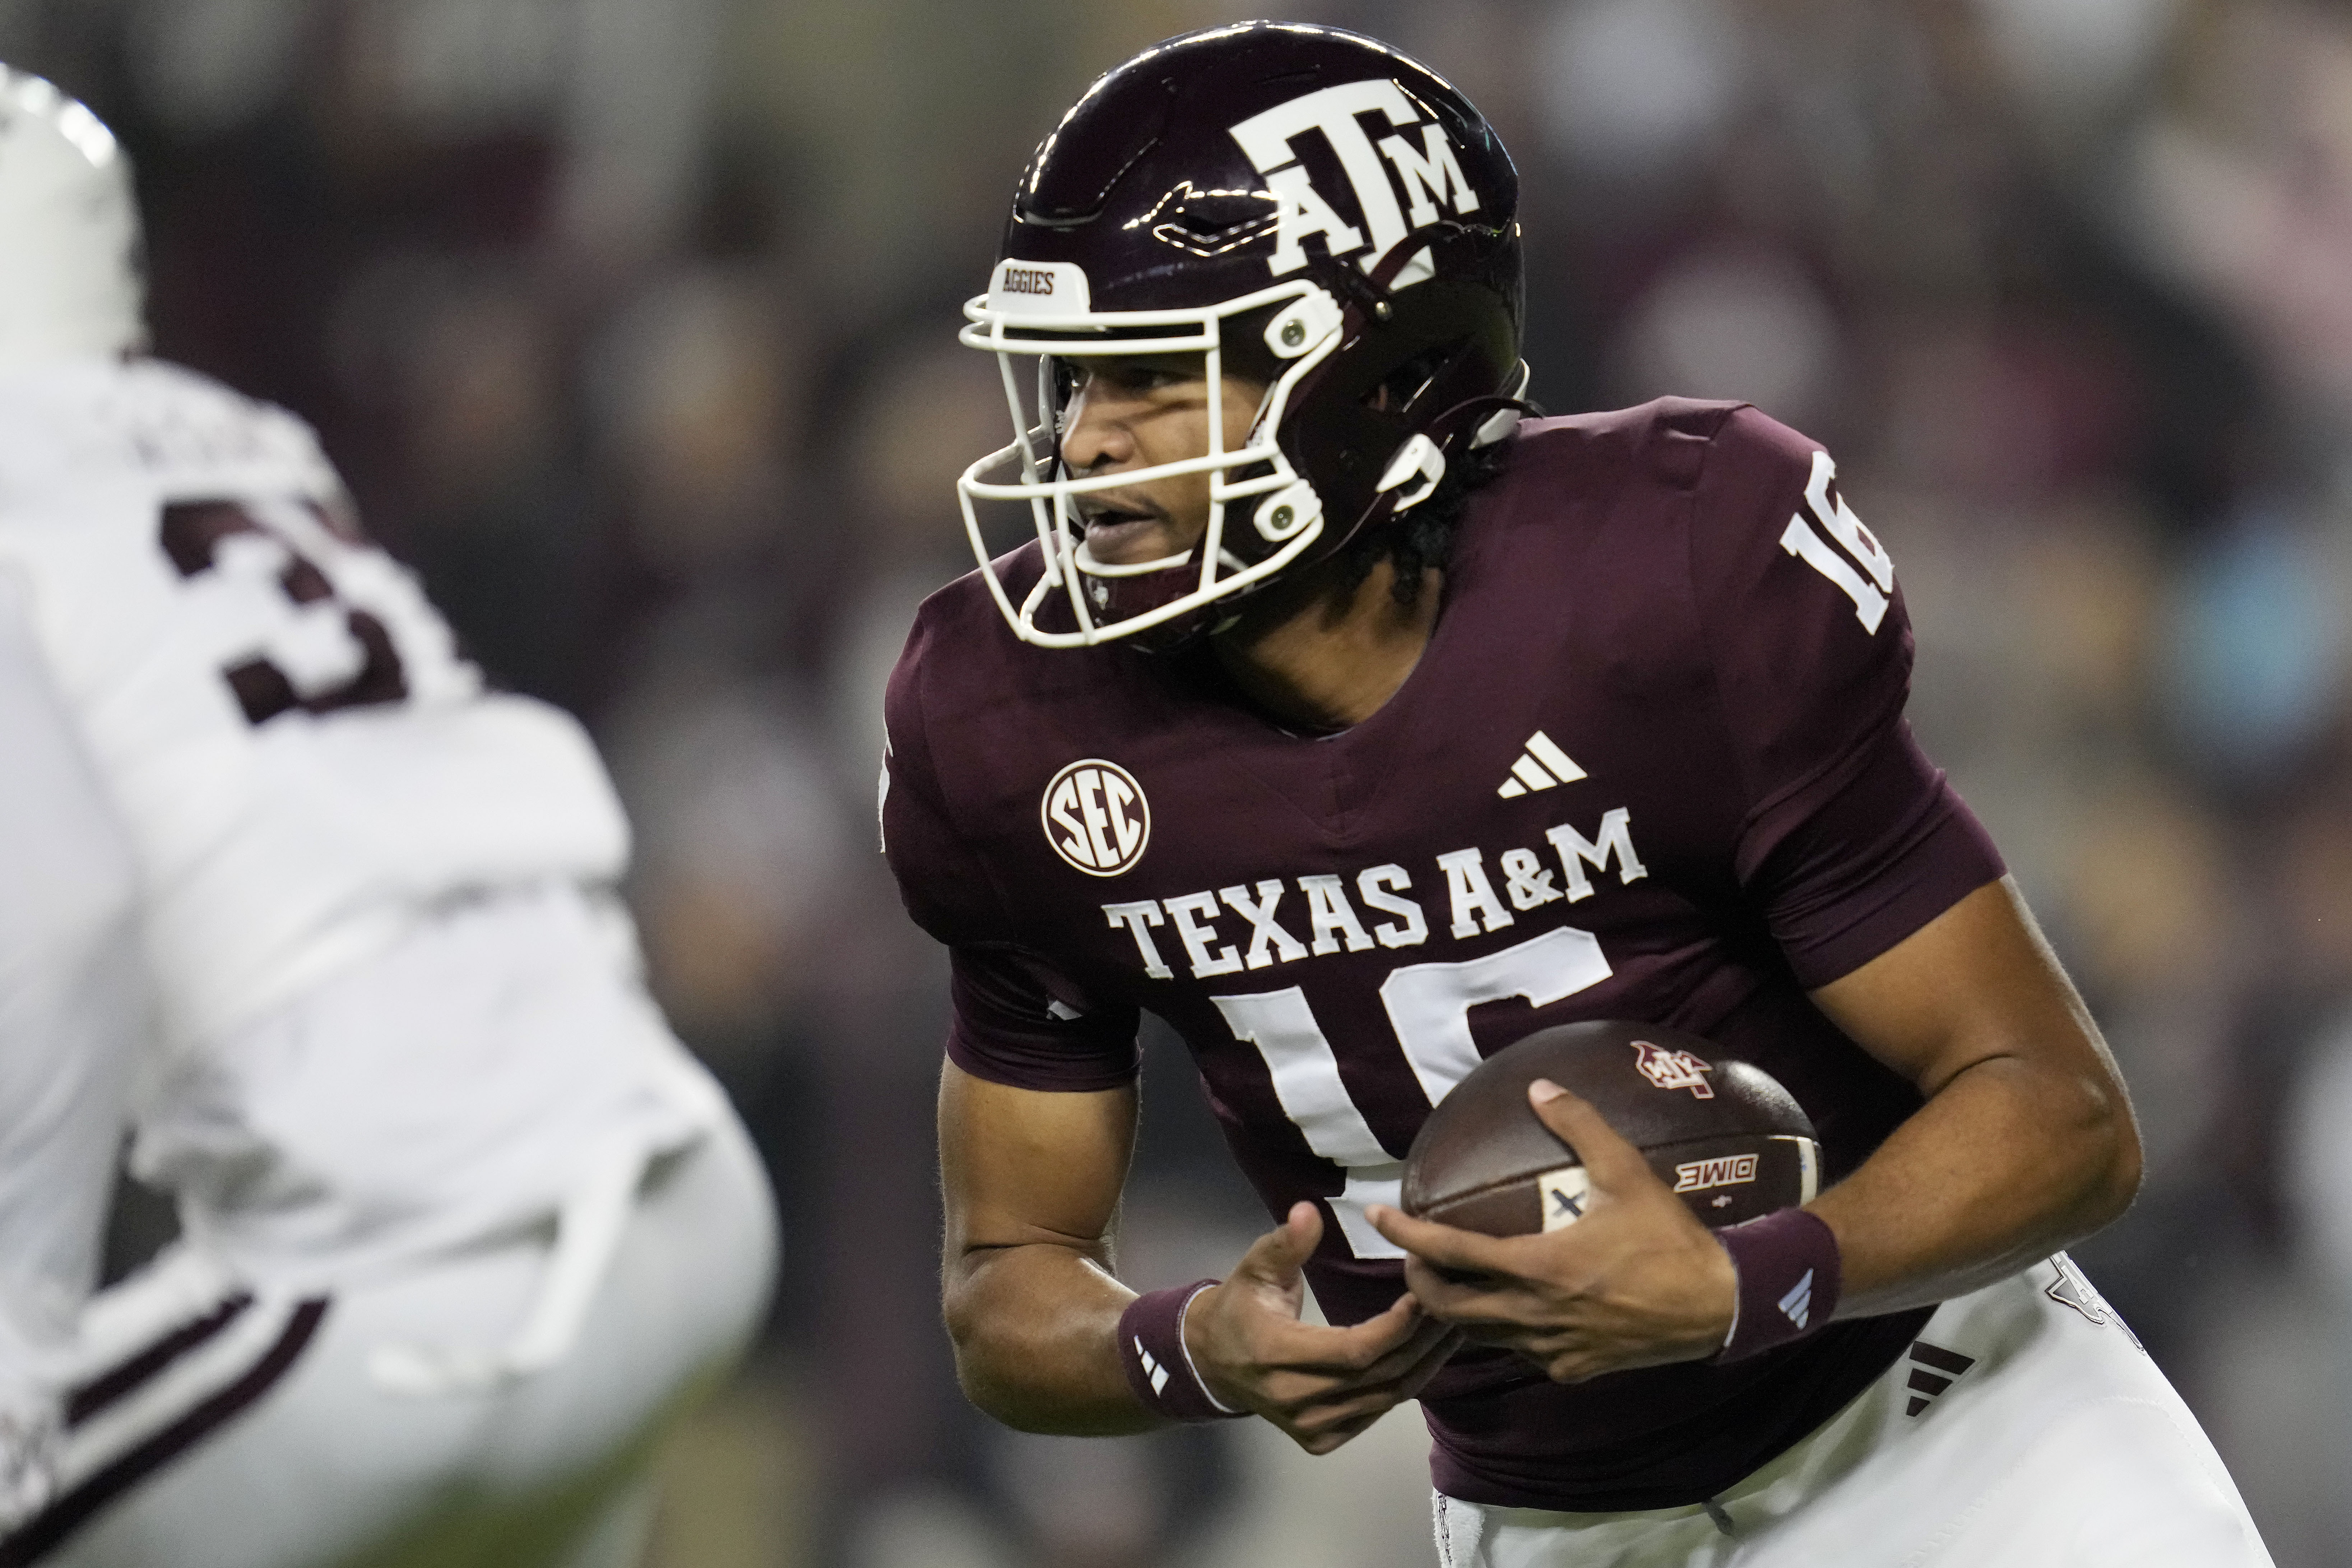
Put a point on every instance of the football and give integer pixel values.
(1721, 1133)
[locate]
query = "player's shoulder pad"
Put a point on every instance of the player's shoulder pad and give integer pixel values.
(1748, 473)
(961, 658)
(943, 712)
(153, 423)
(1668, 440)
(1797, 598)
(955, 614)
(957, 640)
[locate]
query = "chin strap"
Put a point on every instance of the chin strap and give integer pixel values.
(1506, 411)
(1423, 456)
(1418, 457)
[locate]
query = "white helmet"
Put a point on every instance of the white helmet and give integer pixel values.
(70, 280)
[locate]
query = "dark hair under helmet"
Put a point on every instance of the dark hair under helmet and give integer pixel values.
(1308, 208)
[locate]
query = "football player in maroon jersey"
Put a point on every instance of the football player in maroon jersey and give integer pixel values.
(1356, 724)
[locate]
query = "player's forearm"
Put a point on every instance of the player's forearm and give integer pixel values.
(2005, 1163)
(1035, 1330)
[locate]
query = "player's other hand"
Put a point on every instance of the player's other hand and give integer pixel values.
(1321, 1385)
(1638, 1282)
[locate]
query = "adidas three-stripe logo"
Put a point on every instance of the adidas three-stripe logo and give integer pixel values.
(1541, 766)
(1797, 1306)
(1152, 1367)
(1936, 1369)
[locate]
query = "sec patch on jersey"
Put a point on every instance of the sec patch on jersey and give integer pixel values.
(1722, 1132)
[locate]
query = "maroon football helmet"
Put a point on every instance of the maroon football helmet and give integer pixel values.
(1306, 207)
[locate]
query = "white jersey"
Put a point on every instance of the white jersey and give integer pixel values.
(283, 721)
(393, 1017)
(71, 1023)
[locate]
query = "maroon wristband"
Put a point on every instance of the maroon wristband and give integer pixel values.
(1787, 1265)
(1159, 1367)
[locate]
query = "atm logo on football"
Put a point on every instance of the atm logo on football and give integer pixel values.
(1096, 818)
(1673, 1069)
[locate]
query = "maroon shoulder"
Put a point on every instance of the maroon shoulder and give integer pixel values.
(962, 716)
(963, 615)
(1851, 839)
(1723, 583)
(1804, 623)
(945, 665)
(1665, 442)
(976, 722)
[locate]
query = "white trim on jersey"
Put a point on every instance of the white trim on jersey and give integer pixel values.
(187, 1351)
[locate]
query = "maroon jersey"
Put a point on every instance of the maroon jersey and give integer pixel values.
(1652, 764)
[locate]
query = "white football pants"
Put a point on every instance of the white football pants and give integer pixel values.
(2025, 1429)
(242, 1427)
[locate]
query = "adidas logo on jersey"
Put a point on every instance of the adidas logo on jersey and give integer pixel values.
(1934, 1370)
(1541, 766)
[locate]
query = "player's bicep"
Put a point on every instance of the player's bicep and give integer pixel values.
(1977, 982)
(1023, 1166)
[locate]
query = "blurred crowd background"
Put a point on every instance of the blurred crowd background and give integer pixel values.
(631, 323)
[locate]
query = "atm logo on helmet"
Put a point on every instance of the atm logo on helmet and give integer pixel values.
(1429, 173)
(1096, 818)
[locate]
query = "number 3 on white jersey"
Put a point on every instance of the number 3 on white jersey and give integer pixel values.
(308, 615)
(1429, 1006)
(1801, 541)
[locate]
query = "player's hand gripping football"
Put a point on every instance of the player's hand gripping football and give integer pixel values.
(1637, 1281)
(1321, 1385)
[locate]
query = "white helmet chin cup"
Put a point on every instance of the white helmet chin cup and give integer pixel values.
(69, 275)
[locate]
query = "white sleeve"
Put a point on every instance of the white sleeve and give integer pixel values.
(73, 1012)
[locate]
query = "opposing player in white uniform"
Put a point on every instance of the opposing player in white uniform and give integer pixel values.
(71, 1020)
(462, 1222)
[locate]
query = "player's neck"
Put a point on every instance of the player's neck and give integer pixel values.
(1329, 659)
